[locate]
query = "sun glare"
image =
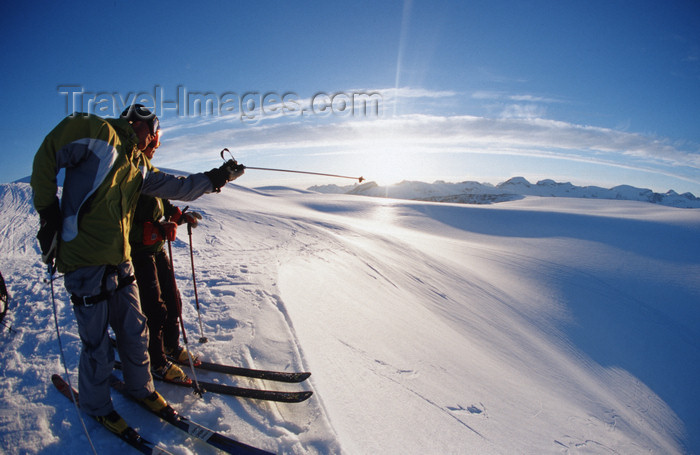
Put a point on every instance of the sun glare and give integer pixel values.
(388, 157)
(387, 167)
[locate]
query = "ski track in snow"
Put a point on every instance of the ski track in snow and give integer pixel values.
(532, 326)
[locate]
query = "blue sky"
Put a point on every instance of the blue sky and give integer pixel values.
(595, 92)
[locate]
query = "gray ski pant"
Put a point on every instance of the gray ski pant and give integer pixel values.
(122, 311)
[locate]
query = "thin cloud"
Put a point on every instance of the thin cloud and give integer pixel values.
(256, 108)
(521, 97)
(410, 92)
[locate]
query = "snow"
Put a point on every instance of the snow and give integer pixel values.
(536, 325)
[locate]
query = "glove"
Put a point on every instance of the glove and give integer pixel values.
(169, 230)
(154, 232)
(191, 218)
(227, 172)
(50, 222)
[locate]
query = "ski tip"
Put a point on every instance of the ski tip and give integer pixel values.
(298, 397)
(293, 377)
(285, 377)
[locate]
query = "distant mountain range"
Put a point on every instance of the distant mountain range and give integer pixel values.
(512, 189)
(486, 193)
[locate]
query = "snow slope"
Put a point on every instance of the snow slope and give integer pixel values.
(540, 325)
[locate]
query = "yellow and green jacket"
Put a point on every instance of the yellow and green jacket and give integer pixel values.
(104, 175)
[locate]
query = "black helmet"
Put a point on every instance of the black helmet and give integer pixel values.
(138, 112)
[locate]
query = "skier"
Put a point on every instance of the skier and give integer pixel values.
(86, 237)
(156, 221)
(3, 299)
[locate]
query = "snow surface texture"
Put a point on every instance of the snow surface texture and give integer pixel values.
(540, 325)
(513, 189)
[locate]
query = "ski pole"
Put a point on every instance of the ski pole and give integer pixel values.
(359, 179)
(197, 389)
(74, 399)
(202, 338)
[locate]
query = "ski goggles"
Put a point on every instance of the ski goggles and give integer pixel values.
(152, 146)
(154, 125)
(155, 143)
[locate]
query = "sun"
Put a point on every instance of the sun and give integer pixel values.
(387, 156)
(388, 166)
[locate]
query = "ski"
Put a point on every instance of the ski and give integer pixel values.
(130, 436)
(242, 392)
(257, 394)
(277, 376)
(211, 437)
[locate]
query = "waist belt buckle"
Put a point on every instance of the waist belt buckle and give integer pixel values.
(84, 301)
